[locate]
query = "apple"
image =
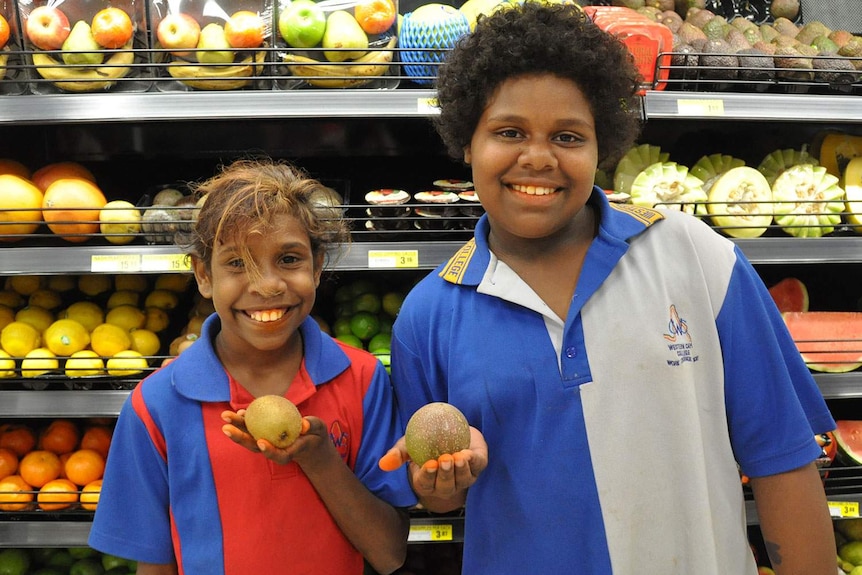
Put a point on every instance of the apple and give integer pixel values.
(302, 24)
(178, 31)
(4, 31)
(244, 29)
(112, 27)
(47, 28)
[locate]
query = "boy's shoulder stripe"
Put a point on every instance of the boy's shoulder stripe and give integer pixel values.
(456, 267)
(647, 216)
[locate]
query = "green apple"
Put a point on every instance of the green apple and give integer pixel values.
(302, 24)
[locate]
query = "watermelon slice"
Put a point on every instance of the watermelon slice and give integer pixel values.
(848, 436)
(829, 341)
(790, 294)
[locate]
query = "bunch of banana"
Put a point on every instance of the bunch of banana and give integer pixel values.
(85, 79)
(230, 77)
(360, 71)
(4, 59)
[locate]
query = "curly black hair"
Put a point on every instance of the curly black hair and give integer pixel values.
(536, 38)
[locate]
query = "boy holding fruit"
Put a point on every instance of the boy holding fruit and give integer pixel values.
(620, 365)
(178, 495)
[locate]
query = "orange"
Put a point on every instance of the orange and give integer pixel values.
(47, 174)
(112, 27)
(64, 457)
(375, 16)
(71, 208)
(97, 438)
(90, 495)
(61, 436)
(8, 165)
(8, 462)
(85, 466)
(108, 339)
(20, 207)
(57, 494)
(15, 493)
(19, 439)
(39, 467)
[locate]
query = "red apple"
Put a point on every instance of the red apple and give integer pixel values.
(112, 27)
(244, 29)
(4, 31)
(178, 31)
(47, 28)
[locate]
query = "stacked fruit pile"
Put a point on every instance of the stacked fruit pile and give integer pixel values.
(62, 561)
(790, 190)
(88, 325)
(52, 468)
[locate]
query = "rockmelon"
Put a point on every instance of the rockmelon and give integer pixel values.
(829, 341)
(636, 160)
(740, 203)
(711, 167)
(668, 185)
(808, 201)
(777, 161)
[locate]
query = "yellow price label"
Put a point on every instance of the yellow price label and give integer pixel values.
(844, 508)
(700, 107)
(115, 263)
(437, 532)
(165, 263)
(393, 259)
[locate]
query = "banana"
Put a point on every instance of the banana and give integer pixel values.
(360, 71)
(4, 59)
(228, 77)
(90, 79)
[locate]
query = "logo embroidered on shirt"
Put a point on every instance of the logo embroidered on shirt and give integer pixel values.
(679, 339)
(340, 439)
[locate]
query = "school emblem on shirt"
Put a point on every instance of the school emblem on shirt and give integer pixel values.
(340, 439)
(678, 339)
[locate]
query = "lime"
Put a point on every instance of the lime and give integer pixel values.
(343, 294)
(14, 561)
(60, 558)
(364, 325)
(344, 308)
(82, 552)
(342, 326)
(385, 358)
(111, 561)
(89, 566)
(350, 339)
(361, 286)
(47, 571)
(368, 301)
(391, 303)
(379, 342)
(385, 324)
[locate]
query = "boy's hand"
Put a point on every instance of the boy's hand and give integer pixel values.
(236, 430)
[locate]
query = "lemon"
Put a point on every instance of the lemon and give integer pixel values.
(145, 341)
(7, 315)
(84, 363)
(38, 361)
(162, 298)
(94, 284)
(19, 338)
(61, 284)
(46, 298)
(120, 221)
(86, 313)
(7, 365)
(65, 337)
(25, 284)
(126, 316)
(11, 298)
(131, 282)
(158, 319)
(123, 297)
(128, 362)
(38, 317)
(108, 339)
(173, 282)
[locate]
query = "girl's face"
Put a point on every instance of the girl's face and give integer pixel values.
(534, 155)
(263, 314)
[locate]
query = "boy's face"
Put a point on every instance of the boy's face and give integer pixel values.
(262, 314)
(533, 155)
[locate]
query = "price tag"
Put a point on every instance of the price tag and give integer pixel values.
(427, 106)
(430, 533)
(115, 263)
(844, 508)
(165, 263)
(393, 259)
(700, 107)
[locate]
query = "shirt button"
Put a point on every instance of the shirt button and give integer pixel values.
(571, 352)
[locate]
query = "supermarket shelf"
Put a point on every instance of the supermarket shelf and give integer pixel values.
(840, 385)
(831, 250)
(757, 107)
(61, 403)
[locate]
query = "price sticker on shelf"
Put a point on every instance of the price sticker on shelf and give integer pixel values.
(165, 263)
(393, 259)
(844, 509)
(700, 107)
(123, 263)
(436, 532)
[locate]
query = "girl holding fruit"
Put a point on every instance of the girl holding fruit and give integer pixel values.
(620, 365)
(179, 496)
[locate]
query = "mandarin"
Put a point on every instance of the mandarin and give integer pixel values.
(97, 438)
(19, 439)
(8, 462)
(39, 467)
(85, 466)
(15, 493)
(57, 494)
(61, 436)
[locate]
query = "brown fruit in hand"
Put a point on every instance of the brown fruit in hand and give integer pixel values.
(436, 429)
(274, 418)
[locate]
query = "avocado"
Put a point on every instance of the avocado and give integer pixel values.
(839, 73)
(812, 30)
(756, 66)
(718, 61)
(792, 65)
(788, 9)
